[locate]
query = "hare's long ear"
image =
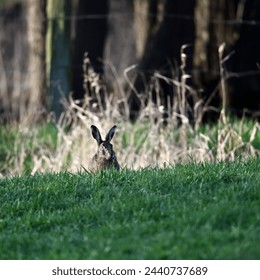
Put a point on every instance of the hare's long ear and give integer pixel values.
(111, 133)
(96, 134)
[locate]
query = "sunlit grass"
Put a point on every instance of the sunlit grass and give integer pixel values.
(191, 211)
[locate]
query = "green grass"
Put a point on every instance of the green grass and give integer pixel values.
(193, 211)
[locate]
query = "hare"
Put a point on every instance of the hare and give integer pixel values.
(105, 156)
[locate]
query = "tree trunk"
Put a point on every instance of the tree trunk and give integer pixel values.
(212, 30)
(163, 30)
(36, 54)
(58, 53)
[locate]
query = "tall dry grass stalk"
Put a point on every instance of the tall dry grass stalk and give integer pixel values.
(230, 142)
(145, 142)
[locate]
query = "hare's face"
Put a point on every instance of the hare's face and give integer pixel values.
(105, 150)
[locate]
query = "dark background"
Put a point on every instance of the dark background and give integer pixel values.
(119, 34)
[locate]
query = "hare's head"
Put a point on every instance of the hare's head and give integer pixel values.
(105, 156)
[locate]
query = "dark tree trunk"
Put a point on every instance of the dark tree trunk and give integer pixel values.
(245, 88)
(90, 34)
(58, 53)
(171, 27)
(220, 22)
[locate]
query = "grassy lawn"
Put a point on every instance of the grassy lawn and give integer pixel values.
(192, 211)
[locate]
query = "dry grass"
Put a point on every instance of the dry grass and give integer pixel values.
(145, 142)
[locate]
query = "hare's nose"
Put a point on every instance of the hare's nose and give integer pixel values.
(106, 153)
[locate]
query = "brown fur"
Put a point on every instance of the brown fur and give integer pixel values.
(105, 156)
